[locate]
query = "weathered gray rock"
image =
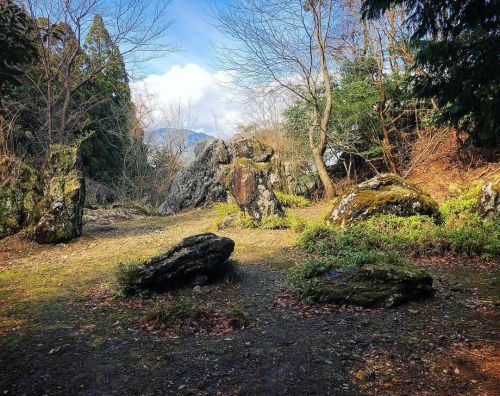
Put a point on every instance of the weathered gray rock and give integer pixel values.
(20, 191)
(200, 182)
(61, 209)
(98, 194)
(249, 148)
(375, 285)
(249, 186)
(384, 194)
(195, 257)
(489, 200)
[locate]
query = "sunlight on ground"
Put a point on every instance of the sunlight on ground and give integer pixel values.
(32, 273)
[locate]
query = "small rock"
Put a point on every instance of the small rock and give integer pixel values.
(197, 289)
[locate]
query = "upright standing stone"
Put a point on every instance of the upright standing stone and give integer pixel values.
(249, 187)
(61, 208)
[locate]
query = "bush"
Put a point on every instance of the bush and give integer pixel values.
(184, 308)
(291, 200)
(226, 214)
(464, 229)
(230, 215)
(127, 275)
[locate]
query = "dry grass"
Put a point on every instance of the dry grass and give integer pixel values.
(31, 273)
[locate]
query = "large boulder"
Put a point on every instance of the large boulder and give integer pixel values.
(250, 188)
(198, 256)
(249, 148)
(20, 191)
(384, 194)
(61, 209)
(489, 200)
(200, 182)
(374, 285)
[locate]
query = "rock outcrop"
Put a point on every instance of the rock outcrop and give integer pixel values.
(384, 194)
(375, 285)
(20, 191)
(250, 188)
(489, 200)
(200, 182)
(249, 148)
(198, 256)
(217, 172)
(61, 209)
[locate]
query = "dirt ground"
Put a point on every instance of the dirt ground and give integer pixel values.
(62, 334)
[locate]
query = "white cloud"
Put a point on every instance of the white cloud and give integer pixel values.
(213, 106)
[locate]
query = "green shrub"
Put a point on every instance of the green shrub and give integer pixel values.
(236, 311)
(229, 214)
(223, 210)
(126, 275)
(291, 200)
(184, 308)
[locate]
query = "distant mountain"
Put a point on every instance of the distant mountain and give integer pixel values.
(191, 139)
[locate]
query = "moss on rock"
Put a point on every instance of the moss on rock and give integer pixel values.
(61, 210)
(375, 285)
(384, 194)
(20, 191)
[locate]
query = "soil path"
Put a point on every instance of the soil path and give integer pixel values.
(57, 337)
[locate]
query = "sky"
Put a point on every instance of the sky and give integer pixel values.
(189, 76)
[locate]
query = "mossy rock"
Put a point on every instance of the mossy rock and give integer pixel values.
(250, 148)
(20, 191)
(489, 199)
(384, 194)
(61, 209)
(375, 285)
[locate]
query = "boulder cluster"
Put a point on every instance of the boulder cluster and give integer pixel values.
(47, 203)
(238, 170)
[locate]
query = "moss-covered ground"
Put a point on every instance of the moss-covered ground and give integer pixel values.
(62, 332)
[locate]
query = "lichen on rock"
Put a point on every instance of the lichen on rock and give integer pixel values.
(489, 199)
(384, 194)
(250, 189)
(20, 191)
(200, 182)
(61, 210)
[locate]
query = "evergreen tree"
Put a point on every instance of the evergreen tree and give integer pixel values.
(16, 45)
(102, 154)
(456, 44)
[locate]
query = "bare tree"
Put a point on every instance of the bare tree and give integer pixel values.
(285, 45)
(135, 26)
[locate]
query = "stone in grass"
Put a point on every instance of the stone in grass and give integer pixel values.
(375, 285)
(384, 194)
(195, 257)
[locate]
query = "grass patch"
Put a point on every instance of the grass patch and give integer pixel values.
(126, 275)
(185, 308)
(291, 200)
(230, 215)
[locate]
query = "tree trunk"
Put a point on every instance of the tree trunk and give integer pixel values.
(323, 174)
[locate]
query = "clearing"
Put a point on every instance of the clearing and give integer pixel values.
(62, 333)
